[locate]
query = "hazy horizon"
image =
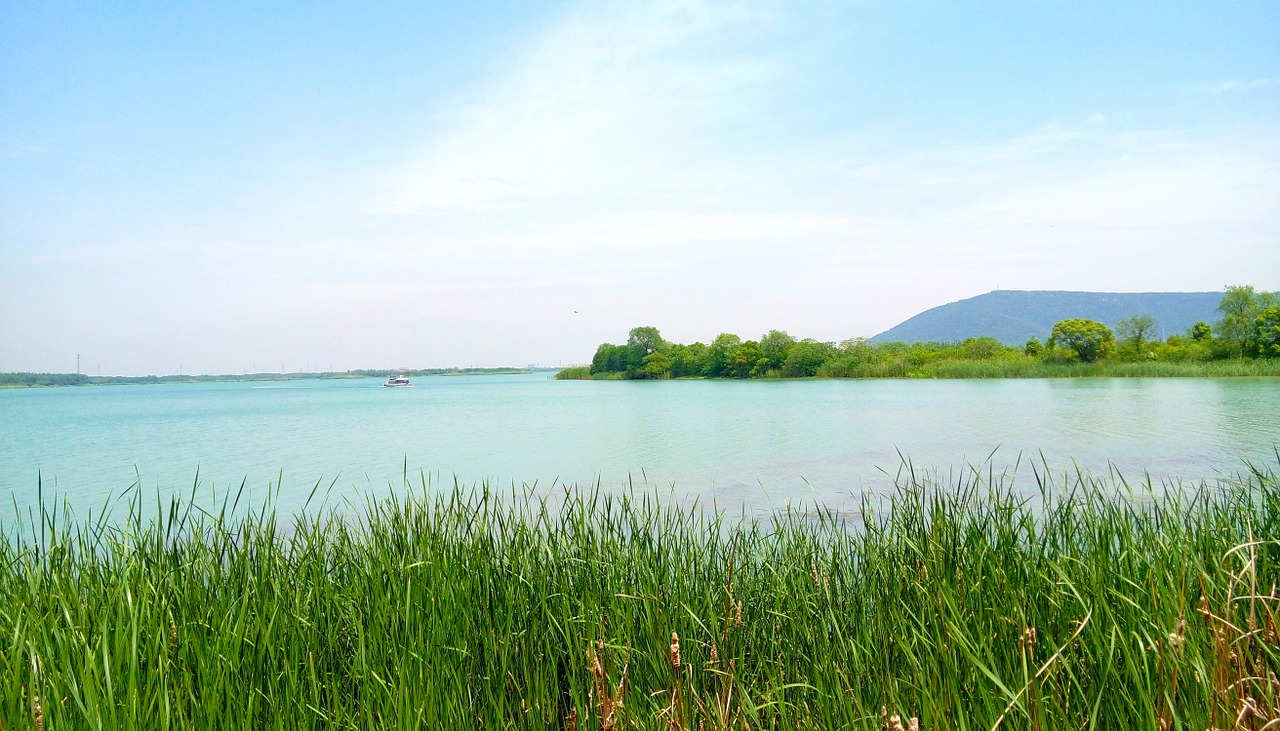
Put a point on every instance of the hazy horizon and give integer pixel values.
(234, 186)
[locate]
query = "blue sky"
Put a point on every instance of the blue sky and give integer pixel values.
(228, 186)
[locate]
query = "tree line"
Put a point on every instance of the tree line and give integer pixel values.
(1249, 328)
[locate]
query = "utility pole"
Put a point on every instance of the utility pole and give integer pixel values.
(77, 364)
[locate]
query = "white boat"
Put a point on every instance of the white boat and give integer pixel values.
(399, 381)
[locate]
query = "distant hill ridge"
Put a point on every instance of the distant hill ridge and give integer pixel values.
(1015, 316)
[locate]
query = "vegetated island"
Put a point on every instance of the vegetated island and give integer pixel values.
(1245, 341)
(951, 603)
(36, 380)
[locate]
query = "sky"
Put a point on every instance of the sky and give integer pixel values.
(226, 187)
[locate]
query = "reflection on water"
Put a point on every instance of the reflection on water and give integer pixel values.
(753, 444)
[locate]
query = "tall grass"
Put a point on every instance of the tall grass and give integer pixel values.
(959, 604)
(1036, 368)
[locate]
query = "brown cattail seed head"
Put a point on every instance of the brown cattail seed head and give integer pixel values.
(1178, 636)
(37, 711)
(593, 659)
(737, 620)
(675, 650)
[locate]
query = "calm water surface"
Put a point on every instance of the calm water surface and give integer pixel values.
(755, 443)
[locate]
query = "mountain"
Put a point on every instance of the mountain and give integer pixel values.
(1013, 316)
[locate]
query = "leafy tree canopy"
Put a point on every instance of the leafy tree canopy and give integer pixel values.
(1136, 331)
(1089, 340)
(1264, 340)
(1240, 307)
(644, 340)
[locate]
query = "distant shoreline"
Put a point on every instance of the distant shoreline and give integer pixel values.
(1012, 369)
(53, 380)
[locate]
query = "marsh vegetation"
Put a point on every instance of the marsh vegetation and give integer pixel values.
(960, 602)
(1245, 342)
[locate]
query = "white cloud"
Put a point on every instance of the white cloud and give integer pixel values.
(606, 103)
(1240, 85)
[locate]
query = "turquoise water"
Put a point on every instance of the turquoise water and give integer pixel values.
(756, 444)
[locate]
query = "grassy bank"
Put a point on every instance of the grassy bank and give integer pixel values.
(965, 606)
(1036, 368)
(1017, 367)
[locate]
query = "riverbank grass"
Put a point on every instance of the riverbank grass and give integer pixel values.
(969, 603)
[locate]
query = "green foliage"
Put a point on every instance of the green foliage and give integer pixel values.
(687, 361)
(643, 341)
(1178, 349)
(719, 356)
(1264, 340)
(574, 373)
(774, 348)
(1075, 347)
(36, 380)
(745, 360)
(1240, 308)
(655, 365)
(611, 358)
(984, 349)
(1237, 308)
(1135, 332)
(805, 358)
(1088, 340)
(959, 600)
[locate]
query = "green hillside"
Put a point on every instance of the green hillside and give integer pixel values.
(1014, 316)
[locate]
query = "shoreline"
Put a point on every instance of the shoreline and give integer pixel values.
(53, 380)
(998, 370)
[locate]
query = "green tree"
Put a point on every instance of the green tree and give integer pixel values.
(774, 347)
(984, 348)
(1136, 331)
(745, 360)
(1240, 308)
(609, 358)
(1264, 341)
(719, 353)
(655, 365)
(1033, 348)
(806, 357)
(1088, 340)
(1200, 332)
(644, 340)
(688, 361)
(858, 352)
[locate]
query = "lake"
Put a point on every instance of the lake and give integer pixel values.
(749, 444)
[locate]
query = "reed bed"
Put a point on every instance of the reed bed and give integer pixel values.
(961, 603)
(1036, 368)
